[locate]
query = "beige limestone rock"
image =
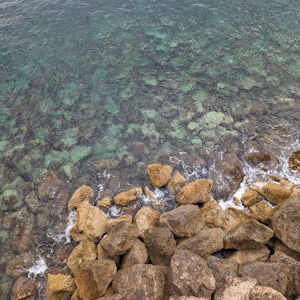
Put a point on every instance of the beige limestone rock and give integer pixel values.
(105, 202)
(279, 246)
(262, 210)
(176, 182)
(246, 256)
(146, 218)
(250, 197)
(183, 221)
(294, 161)
(213, 214)
(280, 257)
(159, 174)
(235, 217)
(59, 286)
(265, 293)
(149, 194)
(84, 193)
(137, 255)
(129, 196)
(104, 257)
(112, 222)
(194, 192)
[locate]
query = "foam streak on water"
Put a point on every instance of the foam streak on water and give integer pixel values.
(38, 269)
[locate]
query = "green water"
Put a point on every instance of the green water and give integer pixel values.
(82, 81)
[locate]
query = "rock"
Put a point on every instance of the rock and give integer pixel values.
(280, 257)
(120, 238)
(250, 197)
(10, 200)
(235, 217)
(236, 289)
(196, 191)
(85, 251)
(84, 193)
(273, 192)
(75, 295)
(24, 288)
(213, 214)
(59, 286)
(190, 275)
(146, 218)
(261, 160)
(159, 174)
(90, 223)
(105, 258)
(183, 221)
(112, 222)
(105, 202)
(32, 201)
(222, 268)
(138, 282)
(19, 265)
(279, 246)
(246, 256)
(262, 210)
(208, 241)
(249, 235)
(286, 223)
(137, 255)
(126, 197)
(176, 182)
(294, 161)
(187, 298)
(273, 275)
(93, 278)
(160, 244)
(149, 194)
(265, 293)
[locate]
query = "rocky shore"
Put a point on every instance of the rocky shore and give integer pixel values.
(196, 250)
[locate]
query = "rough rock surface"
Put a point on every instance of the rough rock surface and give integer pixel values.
(194, 192)
(262, 160)
(146, 218)
(262, 210)
(59, 286)
(159, 174)
(137, 255)
(24, 288)
(190, 275)
(183, 221)
(265, 293)
(176, 182)
(246, 256)
(213, 214)
(126, 197)
(294, 161)
(84, 193)
(250, 197)
(112, 222)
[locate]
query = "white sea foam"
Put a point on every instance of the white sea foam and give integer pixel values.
(70, 224)
(38, 269)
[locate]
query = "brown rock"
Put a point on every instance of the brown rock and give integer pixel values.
(146, 218)
(246, 256)
(176, 182)
(183, 221)
(213, 214)
(279, 246)
(160, 244)
(19, 264)
(190, 275)
(59, 286)
(90, 223)
(262, 210)
(138, 282)
(265, 293)
(280, 257)
(187, 298)
(120, 238)
(126, 197)
(294, 161)
(196, 191)
(105, 202)
(159, 174)
(250, 197)
(137, 255)
(84, 193)
(235, 217)
(273, 275)
(105, 258)
(75, 295)
(261, 160)
(249, 235)
(112, 222)
(24, 288)
(208, 241)
(149, 194)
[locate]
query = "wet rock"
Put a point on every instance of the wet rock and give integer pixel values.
(249, 235)
(183, 221)
(160, 244)
(294, 161)
(145, 282)
(208, 241)
(176, 182)
(59, 286)
(24, 288)
(146, 218)
(196, 191)
(265, 293)
(105, 202)
(90, 223)
(262, 210)
(32, 201)
(250, 197)
(149, 194)
(190, 275)
(19, 264)
(10, 200)
(246, 256)
(137, 255)
(120, 238)
(112, 222)
(213, 214)
(126, 197)
(159, 174)
(261, 160)
(84, 193)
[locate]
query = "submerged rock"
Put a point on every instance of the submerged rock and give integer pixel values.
(159, 174)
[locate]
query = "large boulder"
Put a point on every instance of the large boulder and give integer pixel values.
(194, 192)
(159, 174)
(183, 221)
(146, 218)
(190, 275)
(84, 193)
(137, 255)
(138, 282)
(160, 244)
(120, 238)
(129, 196)
(59, 286)
(208, 241)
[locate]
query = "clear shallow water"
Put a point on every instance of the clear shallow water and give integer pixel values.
(83, 81)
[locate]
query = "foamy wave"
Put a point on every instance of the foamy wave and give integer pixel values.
(38, 269)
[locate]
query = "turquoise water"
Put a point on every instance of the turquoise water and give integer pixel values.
(82, 81)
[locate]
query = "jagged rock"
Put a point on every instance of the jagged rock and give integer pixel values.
(137, 255)
(149, 193)
(294, 161)
(159, 174)
(262, 210)
(24, 288)
(105, 202)
(59, 286)
(183, 221)
(249, 235)
(235, 217)
(187, 298)
(120, 238)
(75, 295)
(265, 293)
(250, 197)
(160, 244)
(213, 214)
(222, 268)
(146, 218)
(208, 241)
(90, 223)
(138, 282)
(84, 193)
(112, 222)
(280, 257)
(129, 196)
(194, 192)
(279, 246)
(261, 160)
(246, 256)
(273, 275)
(104, 257)
(190, 275)
(176, 182)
